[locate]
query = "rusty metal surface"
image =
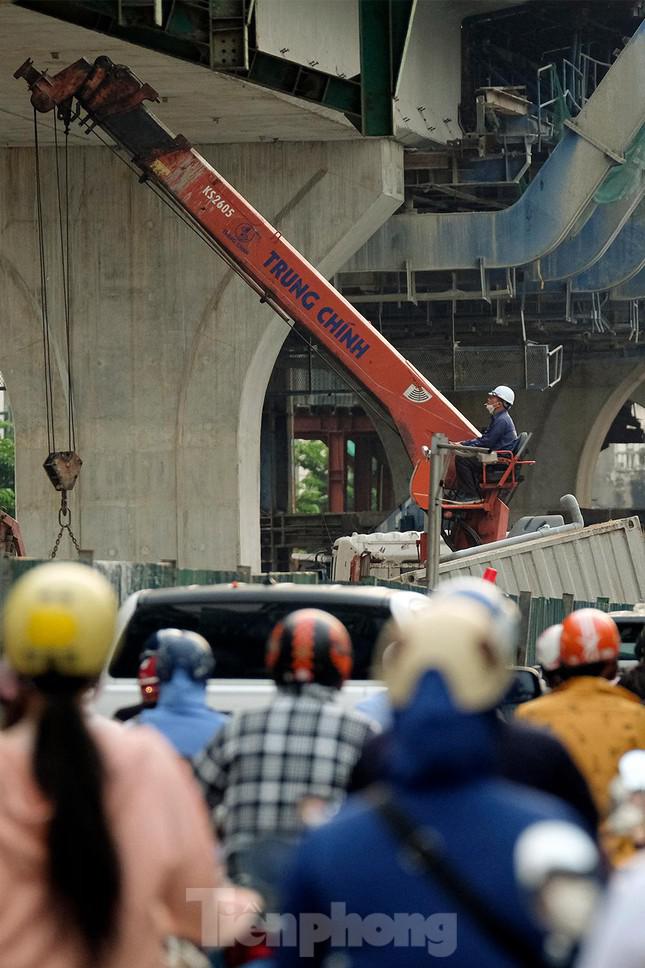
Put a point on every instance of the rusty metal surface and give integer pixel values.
(11, 543)
(47, 92)
(62, 469)
(102, 88)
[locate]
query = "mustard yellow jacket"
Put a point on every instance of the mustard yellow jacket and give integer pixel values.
(597, 722)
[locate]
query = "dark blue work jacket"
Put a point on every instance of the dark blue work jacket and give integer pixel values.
(499, 435)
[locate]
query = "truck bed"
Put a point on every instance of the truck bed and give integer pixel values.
(601, 561)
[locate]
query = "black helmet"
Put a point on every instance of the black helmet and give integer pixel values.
(181, 649)
(309, 646)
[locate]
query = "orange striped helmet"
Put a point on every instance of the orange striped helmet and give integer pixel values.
(588, 636)
(309, 645)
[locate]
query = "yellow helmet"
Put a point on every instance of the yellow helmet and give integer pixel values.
(60, 618)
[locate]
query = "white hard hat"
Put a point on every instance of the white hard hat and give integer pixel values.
(457, 638)
(504, 393)
(547, 648)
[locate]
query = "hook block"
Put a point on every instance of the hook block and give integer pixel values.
(62, 468)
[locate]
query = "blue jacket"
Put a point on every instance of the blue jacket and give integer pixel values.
(442, 771)
(182, 715)
(377, 707)
(499, 435)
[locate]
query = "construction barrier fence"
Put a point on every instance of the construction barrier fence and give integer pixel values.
(127, 577)
(537, 614)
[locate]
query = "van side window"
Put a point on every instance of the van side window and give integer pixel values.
(237, 632)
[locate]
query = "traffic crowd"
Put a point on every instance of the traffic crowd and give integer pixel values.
(423, 825)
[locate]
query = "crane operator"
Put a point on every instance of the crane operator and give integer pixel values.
(499, 435)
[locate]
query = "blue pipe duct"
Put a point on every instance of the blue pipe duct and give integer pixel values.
(624, 258)
(579, 252)
(633, 289)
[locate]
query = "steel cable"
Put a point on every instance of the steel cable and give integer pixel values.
(49, 398)
(66, 277)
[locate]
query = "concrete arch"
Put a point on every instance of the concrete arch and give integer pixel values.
(591, 448)
(369, 193)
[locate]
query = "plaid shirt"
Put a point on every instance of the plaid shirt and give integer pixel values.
(263, 762)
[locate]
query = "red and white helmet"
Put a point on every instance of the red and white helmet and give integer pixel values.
(547, 648)
(588, 636)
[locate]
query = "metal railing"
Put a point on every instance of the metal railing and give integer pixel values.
(565, 88)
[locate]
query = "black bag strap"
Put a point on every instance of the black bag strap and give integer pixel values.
(425, 853)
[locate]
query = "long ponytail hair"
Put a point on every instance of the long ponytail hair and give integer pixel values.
(84, 870)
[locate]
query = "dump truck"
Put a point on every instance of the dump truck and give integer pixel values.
(555, 558)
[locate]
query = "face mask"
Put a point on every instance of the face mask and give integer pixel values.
(490, 407)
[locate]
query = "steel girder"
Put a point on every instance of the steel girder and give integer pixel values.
(553, 204)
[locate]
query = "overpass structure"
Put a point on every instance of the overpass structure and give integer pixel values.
(171, 356)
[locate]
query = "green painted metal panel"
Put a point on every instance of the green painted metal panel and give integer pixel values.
(127, 577)
(384, 27)
(551, 611)
(305, 82)
(376, 67)
(297, 577)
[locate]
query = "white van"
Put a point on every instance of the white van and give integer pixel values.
(236, 620)
(630, 625)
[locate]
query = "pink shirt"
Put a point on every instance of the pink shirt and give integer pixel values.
(162, 832)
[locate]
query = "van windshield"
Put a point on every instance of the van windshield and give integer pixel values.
(238, 631)
(629, 632)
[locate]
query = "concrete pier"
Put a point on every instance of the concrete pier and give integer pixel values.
(171, 352)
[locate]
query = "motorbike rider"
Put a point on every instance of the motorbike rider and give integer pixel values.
(263, 762)
(184, 661)
(442, 799)
(525, 754)
(149, 686)
(596, 720)
(404, 606)
(80, 884)
(617, 937)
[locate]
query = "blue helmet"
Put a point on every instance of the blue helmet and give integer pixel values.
(181, 649)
